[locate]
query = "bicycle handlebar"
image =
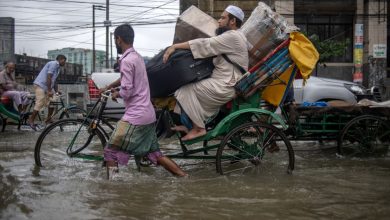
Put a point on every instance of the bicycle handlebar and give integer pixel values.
(106, 94)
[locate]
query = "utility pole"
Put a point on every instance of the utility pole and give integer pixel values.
(97, 7)
(93, 40)
(107, 23)
(111, 49)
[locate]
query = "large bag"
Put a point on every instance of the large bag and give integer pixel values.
(265, 30)
(180, 69)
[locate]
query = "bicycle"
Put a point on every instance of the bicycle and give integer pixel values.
(61, 111)
(75, 135)
(72, 136)
(243, 146)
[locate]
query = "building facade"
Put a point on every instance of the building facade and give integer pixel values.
(7, 39)
(28, 68)
(70, 81)
(363, 24)
(81, 56)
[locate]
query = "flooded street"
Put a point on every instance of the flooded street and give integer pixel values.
(322, 186)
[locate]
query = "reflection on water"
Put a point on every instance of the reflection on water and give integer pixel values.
(321, 187)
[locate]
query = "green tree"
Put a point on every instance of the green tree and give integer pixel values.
(329, 48)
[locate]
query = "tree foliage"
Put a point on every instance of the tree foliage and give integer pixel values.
(329, 48)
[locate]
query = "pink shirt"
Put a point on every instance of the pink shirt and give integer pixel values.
(135, 89)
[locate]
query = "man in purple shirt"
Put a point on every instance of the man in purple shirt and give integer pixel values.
(135, 132)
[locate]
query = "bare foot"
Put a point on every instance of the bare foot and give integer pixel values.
(194, 133)
(180, 128)
(171, 166)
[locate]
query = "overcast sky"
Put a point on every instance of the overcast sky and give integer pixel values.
(42, 25)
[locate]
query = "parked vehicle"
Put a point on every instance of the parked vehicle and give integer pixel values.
(113, 110)
(325, 89)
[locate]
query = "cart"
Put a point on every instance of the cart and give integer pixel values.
(244, 137)
(61, 110)
(240, 139)
(358, 130)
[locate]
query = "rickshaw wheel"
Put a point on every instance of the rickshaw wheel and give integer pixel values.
(255, 147)
(365, 135)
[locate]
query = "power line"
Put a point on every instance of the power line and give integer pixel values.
(144, 12)
(143, 15)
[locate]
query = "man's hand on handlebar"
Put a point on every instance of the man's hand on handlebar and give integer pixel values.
(110, 86)
(115, 95)
(104, 89)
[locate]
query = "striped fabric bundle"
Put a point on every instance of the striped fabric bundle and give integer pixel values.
(270, 69)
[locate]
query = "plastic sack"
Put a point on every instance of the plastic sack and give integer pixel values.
(314, 104)
(265, 30)
(303, 53)
(274, 93)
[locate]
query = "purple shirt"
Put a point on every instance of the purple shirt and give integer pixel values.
(135, 89)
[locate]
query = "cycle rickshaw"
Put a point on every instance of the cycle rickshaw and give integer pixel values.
(244, 139)
(61, 111)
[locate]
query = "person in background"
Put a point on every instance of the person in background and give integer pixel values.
(201, 100)
(9, 88)
(116, 65)
(135, 132)
(45, 86)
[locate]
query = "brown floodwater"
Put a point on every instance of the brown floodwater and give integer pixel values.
(322, 186)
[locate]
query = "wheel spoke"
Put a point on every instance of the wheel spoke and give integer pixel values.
(238, 169)
(243, 149)
(364, 136)
(51, 147)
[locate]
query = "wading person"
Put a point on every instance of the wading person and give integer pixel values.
(135, 132)
(201, 100)
(9, 87)
(45, 86)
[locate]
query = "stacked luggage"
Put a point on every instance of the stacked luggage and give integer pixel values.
(265, 31)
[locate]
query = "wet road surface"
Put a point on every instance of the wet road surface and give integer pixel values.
(322, 186)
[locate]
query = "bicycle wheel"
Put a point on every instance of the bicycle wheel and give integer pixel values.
(52, 149)
(73, 112)
(365, 135)
(255, 147)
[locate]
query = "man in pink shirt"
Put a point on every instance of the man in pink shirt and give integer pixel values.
(135, 132)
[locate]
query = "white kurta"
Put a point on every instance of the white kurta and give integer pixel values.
(201, 100)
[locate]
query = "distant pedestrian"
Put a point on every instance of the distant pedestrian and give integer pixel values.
(9, 87)
(116, 65)
(45, 86)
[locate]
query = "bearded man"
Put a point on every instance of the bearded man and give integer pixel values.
(135, 132)
(201, 100)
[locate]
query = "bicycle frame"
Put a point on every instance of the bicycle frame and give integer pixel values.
(94, 124)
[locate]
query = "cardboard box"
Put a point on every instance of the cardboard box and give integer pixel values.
(194, 23)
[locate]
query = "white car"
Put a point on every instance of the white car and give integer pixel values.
(114, 110)
(325, 89)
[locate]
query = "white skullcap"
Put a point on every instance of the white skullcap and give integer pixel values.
(236, 11)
